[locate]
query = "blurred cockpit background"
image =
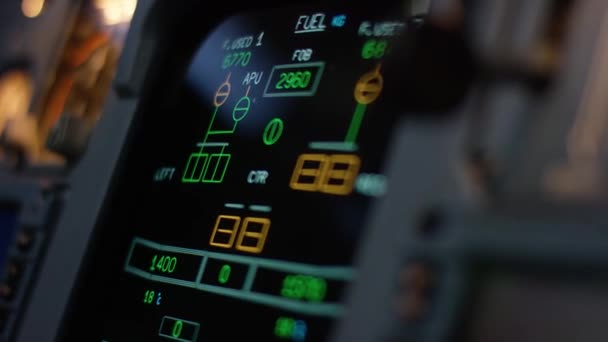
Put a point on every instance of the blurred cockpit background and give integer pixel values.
(57, 60)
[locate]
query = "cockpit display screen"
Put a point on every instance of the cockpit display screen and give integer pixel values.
(244, 194)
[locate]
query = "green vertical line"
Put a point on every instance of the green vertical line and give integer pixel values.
(197, 159)
(217, 165)
(192, 179)
(205, 167)
(209, 128)
(355, 123)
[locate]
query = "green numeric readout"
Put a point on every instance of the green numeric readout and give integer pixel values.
(374, 49)
(299, 79)
(152, 297)
(290, 328)
(178, 266)
(283, 284)
(149, 297)
(178, 329)
(304, 287)
(236, 59)
(163, 263)
(294, 80)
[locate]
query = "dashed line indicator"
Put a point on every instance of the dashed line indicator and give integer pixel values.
(333, 146)
(234, 205)
(261, 208)
(253, 207)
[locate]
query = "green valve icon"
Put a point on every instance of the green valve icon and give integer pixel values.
(241, 109)
(209, 163)
(273, 131)
(224, 274)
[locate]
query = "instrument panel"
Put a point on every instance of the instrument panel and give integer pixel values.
(334, 172)
(247, 189)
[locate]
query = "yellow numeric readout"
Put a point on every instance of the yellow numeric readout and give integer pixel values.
(331, 174)
(220, 230)
(259, 236)
(227, 226)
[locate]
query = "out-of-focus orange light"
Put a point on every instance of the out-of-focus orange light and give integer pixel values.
(116, 12)
(15, 95)
(32, 8)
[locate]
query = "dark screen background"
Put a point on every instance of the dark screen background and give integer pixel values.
(307, 227)
(8, 226)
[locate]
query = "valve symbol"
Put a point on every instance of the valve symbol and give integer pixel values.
(369, 87)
